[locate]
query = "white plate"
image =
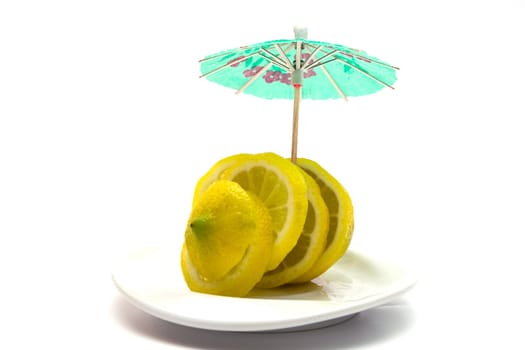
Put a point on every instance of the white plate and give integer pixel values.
(152, 281)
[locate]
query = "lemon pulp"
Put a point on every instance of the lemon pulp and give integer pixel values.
(341, 214)
(280, 185)
(310, 244)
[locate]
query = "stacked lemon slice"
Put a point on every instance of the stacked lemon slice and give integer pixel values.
(258, 220)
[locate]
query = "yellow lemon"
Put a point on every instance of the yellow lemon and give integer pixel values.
(227, 241)
(310, 245)
(341, 214)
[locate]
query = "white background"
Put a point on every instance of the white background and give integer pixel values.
(105, 128)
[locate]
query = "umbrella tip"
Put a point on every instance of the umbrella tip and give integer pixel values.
(300, 31)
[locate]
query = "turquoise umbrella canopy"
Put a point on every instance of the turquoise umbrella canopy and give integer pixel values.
(298, 68)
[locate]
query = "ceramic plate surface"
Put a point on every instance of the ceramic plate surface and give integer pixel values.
(151, 279)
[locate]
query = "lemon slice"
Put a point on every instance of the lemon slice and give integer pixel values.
(341, 214)
(310, 245)
(280, 185)
(227, 240)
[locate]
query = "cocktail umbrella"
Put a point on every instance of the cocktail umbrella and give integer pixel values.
(296, 69)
